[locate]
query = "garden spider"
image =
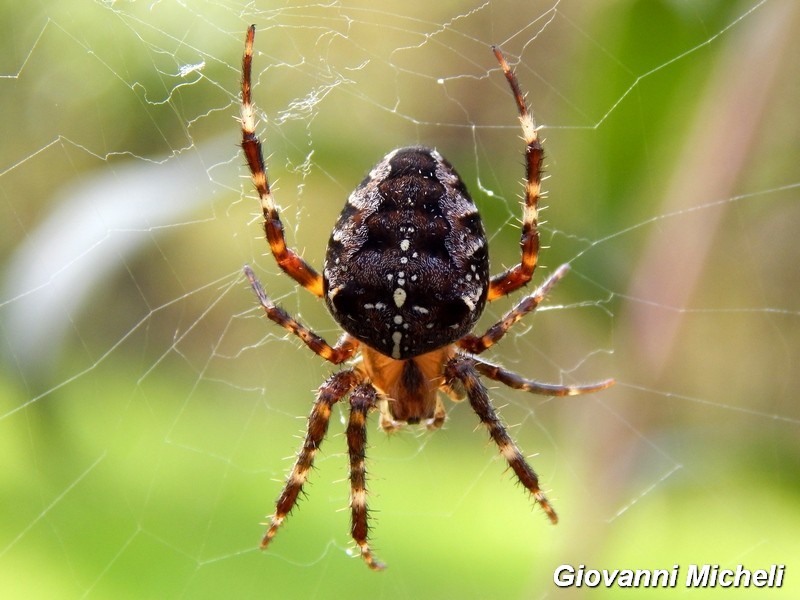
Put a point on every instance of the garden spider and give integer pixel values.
(406, 276)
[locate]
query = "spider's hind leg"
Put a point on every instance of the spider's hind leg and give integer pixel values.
(520, 274)
(292, 263)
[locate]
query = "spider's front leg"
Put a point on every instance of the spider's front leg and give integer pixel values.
(461, 368)
(334, 389)
(362, 400)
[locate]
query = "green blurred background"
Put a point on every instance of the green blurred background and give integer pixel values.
(148, 411)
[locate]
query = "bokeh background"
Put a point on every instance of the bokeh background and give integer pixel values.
(148, 411)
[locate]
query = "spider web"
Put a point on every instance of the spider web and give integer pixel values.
(149, 412)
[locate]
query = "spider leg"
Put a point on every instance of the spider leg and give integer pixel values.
(518, 382)
(462, 369)
(477, 344)
(334, 389)
(287, 259)
(519, 275)
(337, 354)
(362, 400)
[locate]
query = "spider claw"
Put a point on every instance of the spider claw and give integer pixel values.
(273, 529)
(592, 387)
(546, 507)
(372, 562)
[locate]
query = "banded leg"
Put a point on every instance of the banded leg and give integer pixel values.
(287, 259)
(342, 351)
(519, 275)
(518, 382)
(461, 369)
(334, 389)
(477, 344)
(362, 400)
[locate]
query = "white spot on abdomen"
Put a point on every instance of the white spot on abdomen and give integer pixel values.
(399, 297)
(396, 337)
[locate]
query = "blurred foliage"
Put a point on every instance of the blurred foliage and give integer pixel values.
(138, 461)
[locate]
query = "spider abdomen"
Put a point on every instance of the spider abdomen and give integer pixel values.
(407, 267)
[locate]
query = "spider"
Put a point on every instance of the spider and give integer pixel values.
(406, 275)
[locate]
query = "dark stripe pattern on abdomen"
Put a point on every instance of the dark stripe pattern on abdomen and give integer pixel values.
(407, 266)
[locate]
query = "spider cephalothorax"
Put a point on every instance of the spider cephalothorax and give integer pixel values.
(406, 275)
